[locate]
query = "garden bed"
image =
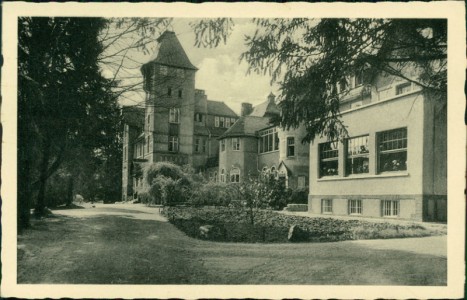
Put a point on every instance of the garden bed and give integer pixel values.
(233, 225)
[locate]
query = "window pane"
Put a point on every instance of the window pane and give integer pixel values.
(329, 168)
(395, 161)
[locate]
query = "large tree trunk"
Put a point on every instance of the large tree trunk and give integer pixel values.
(69, 197)
(40, 204)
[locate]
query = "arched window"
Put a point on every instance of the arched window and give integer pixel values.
(222, 175)
(235, 175)
(215, 176)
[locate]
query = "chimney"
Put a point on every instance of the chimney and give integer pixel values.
(247, 108)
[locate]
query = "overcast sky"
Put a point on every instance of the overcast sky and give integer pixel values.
(220, 72)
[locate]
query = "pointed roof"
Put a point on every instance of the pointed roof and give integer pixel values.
(246, 126)
(265, 109)
(171, 52)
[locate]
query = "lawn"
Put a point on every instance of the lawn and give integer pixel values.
(106, 245)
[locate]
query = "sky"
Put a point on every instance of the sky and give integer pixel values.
(220, 73)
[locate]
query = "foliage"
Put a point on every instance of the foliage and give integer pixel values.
(270, 226)
(64, 105)
(166, 169)
(214, 194)
(310, 57)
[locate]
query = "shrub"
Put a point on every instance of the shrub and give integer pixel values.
(166, 169)
(144, 198)
(299, 196)
(214, 194)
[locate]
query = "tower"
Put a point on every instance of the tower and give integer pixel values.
(169, 83)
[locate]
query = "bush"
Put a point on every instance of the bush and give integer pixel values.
(299, 196)
(168, 170)
(144, 198)
(214, 194)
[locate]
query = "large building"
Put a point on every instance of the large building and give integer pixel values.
(394, 162)
(177, 122)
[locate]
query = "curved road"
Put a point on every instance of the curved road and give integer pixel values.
(133, 244)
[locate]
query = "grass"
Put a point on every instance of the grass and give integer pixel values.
(132, 247)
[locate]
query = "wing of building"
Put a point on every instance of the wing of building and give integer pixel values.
(392, 165)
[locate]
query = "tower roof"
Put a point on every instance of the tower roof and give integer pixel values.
(171, 52)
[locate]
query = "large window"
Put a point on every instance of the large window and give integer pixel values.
(328, 159)
(227, 122)
(236, 144)
(290, 146)
(268, 141)
(197, 144)
(198, 117)
(390, 208)
(357, 155)
(235, 175)
(326, 206)
(174, 115)
(205, 145)
(392, 147)
(173, 143)
(355, 207)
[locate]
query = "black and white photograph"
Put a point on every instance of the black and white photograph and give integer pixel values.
(233, 150)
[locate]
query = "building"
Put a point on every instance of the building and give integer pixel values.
(253, 145)
(394, 162)
(178, 123)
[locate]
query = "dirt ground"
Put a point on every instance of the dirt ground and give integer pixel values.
(133, 244)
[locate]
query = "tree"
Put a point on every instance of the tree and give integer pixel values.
(309, 57)
(64, 102)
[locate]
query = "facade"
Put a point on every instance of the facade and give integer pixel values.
(253, 145)
(177, 123)
(394, 162)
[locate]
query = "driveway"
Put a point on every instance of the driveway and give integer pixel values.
(133, 244)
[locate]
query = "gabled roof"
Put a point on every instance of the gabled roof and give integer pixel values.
(171, 52)
(264, 109)
(133, 116)
(219, 108)
(246, 126)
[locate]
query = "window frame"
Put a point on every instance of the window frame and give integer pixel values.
(216, 121)
(235, 145)
(356, 156)
(222, 122)
(197, 145)
(268, 139)
(400, 88)
(327, 159)
(173, 145)
(355, 206)
(222, 175)
(404, 140)
(326, 206)
(290, 146)
(235, 174)
(393, 208)
(174, 115)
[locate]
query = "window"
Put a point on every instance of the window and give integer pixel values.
(268, 141)
(301, 182)
(215, 176)
(197, 144)
(180, 93)
(357, 155)
(403, 88)
(342, 86)
(392, 146)
(355, 207)
(222, 175)
(222, 122)
(390, 208)
(236, 144)
(227, 122)
(173, 143)
(216, 121)
(359, 78)
(290, 146)
(328, 159)
(164, 70)
(326, 206)
(174, 115)
(198, 117)
(232, 120)
(205, 145)
(235, 175)
(222, 145)
(169, 92)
